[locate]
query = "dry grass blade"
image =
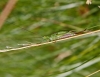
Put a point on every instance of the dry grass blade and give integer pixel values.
(7, 10)
(35, 45)
(93, 73)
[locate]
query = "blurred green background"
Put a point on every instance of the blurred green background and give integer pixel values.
(31, 20)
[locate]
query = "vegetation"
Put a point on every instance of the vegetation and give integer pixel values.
(36, 22)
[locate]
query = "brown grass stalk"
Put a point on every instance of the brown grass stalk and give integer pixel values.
(7, 10)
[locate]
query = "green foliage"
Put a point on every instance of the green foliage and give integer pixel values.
(36, 21)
